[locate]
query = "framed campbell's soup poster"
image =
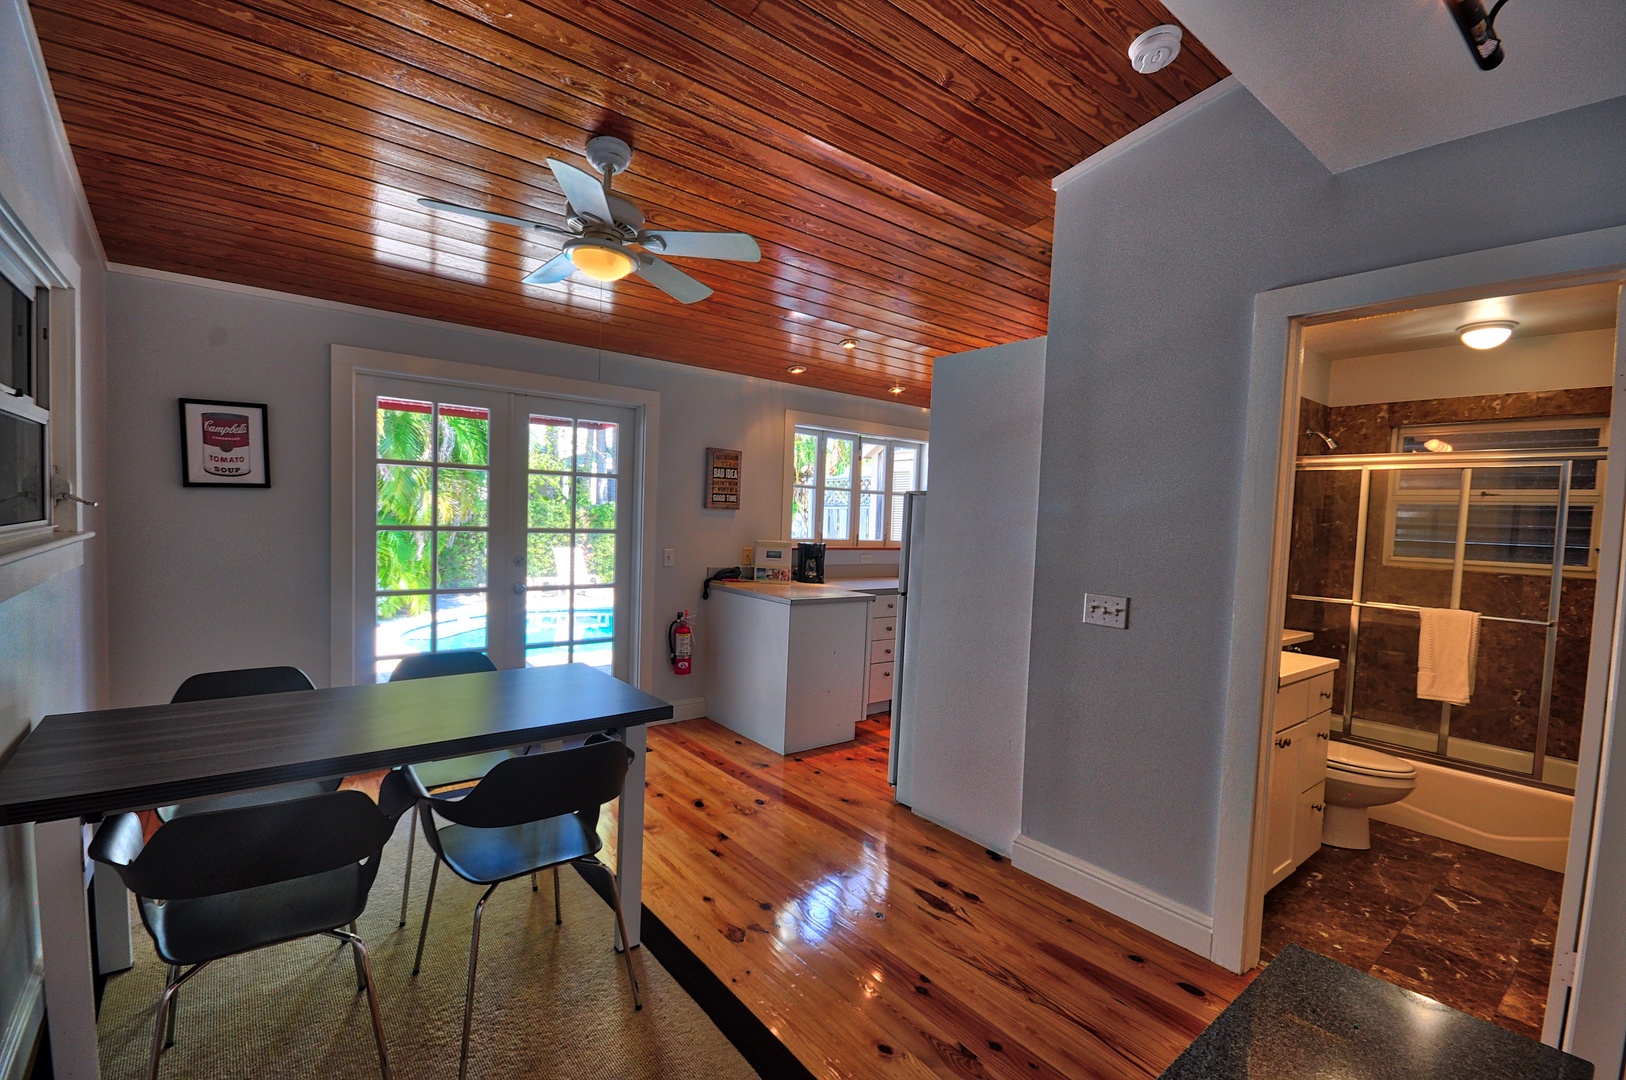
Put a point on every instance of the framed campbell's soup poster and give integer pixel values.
(223, 443)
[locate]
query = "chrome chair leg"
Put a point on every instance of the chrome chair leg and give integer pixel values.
(558, 916)
(356, 955)
(364, 968)
(406, 882)
(468, 1001)
(166, 1005)
(170, 977)
(427, 904)
(626, 950)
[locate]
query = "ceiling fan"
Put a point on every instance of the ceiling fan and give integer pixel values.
(602, 225)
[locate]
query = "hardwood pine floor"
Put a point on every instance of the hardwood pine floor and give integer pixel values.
(873, 943)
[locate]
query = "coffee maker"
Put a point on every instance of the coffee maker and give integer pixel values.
(808, 563)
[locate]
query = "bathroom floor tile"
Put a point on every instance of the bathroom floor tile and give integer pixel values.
(1463, 926)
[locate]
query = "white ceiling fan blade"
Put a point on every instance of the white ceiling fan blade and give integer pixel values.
(469, 211)
(670, 280)
(555, 269)
(736, 246)
(584, 191)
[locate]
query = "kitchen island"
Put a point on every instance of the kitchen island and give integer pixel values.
(788, 661)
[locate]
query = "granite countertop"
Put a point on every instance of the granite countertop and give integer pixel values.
(791, 592)
(1308, 1016)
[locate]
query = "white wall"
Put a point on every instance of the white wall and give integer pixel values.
(971, 597)
(1159, 255)
(206, 578)
(1522, 365)
(50, 655)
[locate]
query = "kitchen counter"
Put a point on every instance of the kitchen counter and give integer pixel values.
(792, 592)
(1308, 1016)
(1296, 667)
(871, 585)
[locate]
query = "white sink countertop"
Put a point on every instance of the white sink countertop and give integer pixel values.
(1295, 637)
(1296, 667)
(792, 592)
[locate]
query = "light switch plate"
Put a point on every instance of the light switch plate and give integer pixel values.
(1105, 610)
(669, 561)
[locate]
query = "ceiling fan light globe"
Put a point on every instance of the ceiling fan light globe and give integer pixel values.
(602, 262)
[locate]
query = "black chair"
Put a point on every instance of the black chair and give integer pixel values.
(447, 772)
(245, 682)
(216, 884)
(527, 814)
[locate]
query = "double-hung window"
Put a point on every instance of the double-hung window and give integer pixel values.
(24, 403)
(1512, 509)
(847, 486)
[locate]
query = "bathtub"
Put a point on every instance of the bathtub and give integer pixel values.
(1526, 823)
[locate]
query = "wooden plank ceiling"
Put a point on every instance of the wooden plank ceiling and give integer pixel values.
(892, 158)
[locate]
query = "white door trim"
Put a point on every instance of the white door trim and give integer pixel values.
(1260, 593)
(350, 363)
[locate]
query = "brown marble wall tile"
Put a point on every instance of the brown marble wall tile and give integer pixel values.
(1506, 706)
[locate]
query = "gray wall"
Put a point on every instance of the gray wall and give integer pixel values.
(50, 659)
(1159, 253)
(206, 578)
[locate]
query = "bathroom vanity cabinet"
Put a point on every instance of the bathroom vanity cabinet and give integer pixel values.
(1294, 801)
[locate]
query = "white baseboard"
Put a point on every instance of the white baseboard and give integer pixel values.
(687, 709)
(23, 1028)
(1186, 927)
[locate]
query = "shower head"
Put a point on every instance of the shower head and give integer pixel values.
(1324, 437)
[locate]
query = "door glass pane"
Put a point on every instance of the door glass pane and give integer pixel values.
(593, 617)
(547, 617)
(461, 497)
(549, 501)
(403, 560)
(549, 657)
(870, 522)
(598, 559)
(1326, 507)
(595, 502)
(403, 494)
(1498, 725)
(551, 442)
(544, 568)
(460, 621)
(403, 429)
(1411, 537)
(461, 558)
(596, 446)
(465, 434)
(402, 625)
(807, 457)
(600, 655)
(1386, 682)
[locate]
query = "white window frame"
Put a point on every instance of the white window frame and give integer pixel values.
(860, 432)
(1593, 498)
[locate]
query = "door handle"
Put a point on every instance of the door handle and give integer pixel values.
(1317, 807)
(1283, 744)
(519, 589)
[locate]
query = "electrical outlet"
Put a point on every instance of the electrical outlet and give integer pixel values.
(669, 560)
(1107, 610)
(866, 558)
(747, 555)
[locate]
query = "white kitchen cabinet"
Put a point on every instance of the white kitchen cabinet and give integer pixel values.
(1296, 786)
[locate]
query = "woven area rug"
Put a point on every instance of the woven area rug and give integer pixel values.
(550, 1001)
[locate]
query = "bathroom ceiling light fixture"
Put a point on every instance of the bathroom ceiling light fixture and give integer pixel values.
(1438, 446)
(849, 343)
(797, 369)
(1486, 335)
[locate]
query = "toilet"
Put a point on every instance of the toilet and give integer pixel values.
(1357, 779)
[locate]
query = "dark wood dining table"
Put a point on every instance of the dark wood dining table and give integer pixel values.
(77, 767)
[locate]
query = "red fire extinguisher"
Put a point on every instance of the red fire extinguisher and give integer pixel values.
(680, 641)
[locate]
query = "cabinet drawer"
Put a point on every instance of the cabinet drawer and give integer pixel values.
(1292, 704)
(1313, 758)
(1307, 817)
(885, 607)
(883, 626)
(880, 682)
(880, 652)
(1320, 694)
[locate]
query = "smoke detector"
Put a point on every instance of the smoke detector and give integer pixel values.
(1155, 49)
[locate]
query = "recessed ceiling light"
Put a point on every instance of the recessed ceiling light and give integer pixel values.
(849, 343)
(895, 389)
(796, 369)
(1485, 335)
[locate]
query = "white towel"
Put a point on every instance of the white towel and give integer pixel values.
(1447, 654)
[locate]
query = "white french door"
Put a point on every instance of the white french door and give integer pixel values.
(492, 521)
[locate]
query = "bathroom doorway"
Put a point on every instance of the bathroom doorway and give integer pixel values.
(1429, 475)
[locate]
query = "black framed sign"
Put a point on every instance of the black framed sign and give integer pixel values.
(223, 443)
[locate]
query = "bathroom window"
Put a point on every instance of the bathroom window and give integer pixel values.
(847, 487)
(24, 404)
(1512, 515)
